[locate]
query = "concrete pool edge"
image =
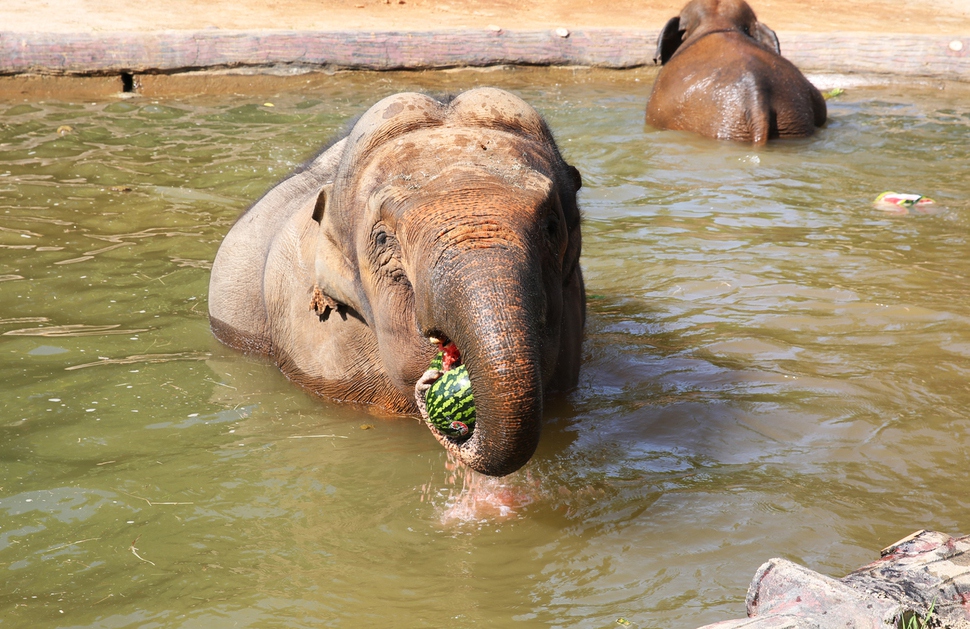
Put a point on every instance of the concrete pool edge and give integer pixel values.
(944, 57)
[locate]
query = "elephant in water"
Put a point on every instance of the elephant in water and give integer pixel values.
(450, 221)
(723, 76)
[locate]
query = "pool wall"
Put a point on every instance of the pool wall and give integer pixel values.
(165, 52)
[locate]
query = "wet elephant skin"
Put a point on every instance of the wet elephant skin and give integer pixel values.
(723, 77)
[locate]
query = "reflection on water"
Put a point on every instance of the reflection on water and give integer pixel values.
(773, 367)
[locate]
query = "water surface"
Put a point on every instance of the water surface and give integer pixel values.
(772, 368)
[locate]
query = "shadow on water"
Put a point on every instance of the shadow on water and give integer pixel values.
(772, 367)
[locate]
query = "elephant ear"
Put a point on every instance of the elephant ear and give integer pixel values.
(320, 207)
(333, 272)
(766, 37)
(670, 39)
(574, 177)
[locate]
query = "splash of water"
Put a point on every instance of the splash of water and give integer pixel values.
(473, 498)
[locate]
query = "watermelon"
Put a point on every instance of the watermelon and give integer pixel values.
(451, 406)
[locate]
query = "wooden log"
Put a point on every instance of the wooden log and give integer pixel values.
(931, 56)
(171, 51)
(911, 55)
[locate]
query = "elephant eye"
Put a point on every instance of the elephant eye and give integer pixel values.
(556, 238)
(382, 235)
(552, 226)
(747, 30)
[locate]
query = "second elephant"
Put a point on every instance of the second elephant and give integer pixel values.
(723, 77)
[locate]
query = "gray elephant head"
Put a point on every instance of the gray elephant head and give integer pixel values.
(458, 222)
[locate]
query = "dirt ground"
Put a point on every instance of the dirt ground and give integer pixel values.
(897, 17)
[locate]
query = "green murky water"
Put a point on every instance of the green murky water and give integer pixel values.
(773, 368)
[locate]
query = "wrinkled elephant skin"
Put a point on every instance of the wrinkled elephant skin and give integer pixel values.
(723, 77)
(456, 221)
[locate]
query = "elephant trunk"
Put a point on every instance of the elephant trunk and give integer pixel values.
(499, 347)
(489, 301)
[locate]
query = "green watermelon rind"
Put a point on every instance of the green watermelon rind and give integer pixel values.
(450, 400)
